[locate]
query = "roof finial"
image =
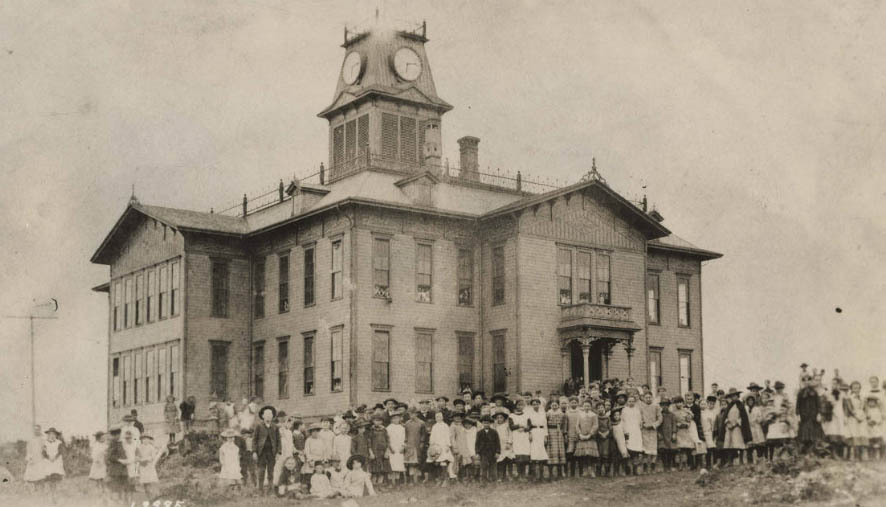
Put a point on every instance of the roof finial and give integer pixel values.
(132, 198)
(593, 174)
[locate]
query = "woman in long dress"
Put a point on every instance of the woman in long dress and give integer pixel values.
(34, 458)
(440, 448)
(520, 435)
(632, 422)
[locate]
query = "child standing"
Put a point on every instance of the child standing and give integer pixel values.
(440, 448)
(147, 455)
(98, 470)
(470, 459)
(459, 443)
(572, 414)
(34, 458)
(538, 431)
(685, 443)
(53, 461)
(586, 446)
(667, 435)
(520, 436)
(229, 458)
(379, 466)
(488, 447)
(118, 476)
(287, 446)
(874, 416)
(360, 440)
(604, 440)
(314, 452)
(650, 420)
(556, 443)
(506, 448)
(396, 446)
(758, 438)
(327, 436)
(416, 439)
(170, 414)
(356, 479)
(708, 416)
(620, 451)
(632, 422)
(341, 444)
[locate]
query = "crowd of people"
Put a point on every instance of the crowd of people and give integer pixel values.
(608, 428)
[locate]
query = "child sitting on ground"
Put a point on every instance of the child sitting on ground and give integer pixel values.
(357, 480)
(320, 485)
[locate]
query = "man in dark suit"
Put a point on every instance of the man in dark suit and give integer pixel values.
(488, 447)
(266, 443)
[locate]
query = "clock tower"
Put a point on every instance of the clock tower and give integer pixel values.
(386, 113)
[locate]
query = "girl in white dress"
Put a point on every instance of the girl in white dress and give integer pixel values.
(34, 458)
(396, 446)
(229, 458)
(53, 462)
(287, 448)
(632, 423)
(538, 422)
(856, 424)
(520, 436)
(98, 471)
(506, 456)
(440, 447)
(148, 456)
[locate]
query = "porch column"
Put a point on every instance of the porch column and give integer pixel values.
(585, 352)
(566, 364)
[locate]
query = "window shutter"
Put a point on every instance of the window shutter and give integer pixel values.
(338, 145)
(362, 134)
(407, 139)
(350, 140)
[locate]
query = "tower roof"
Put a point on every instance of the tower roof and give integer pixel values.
(377, 47)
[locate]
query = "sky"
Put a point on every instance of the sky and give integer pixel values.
(756, 128)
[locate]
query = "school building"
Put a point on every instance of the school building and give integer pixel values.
(390, 273)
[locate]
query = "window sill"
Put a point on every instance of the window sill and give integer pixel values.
(465, 305)
(424, 302)
(339, 298)
(379, 390)
(684, 327)
(336, 390)
(310, 305)
(309, 394)
(383, 299)
(654, 323)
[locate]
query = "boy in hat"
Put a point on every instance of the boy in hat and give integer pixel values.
(265, 444)
(667, 435)
(442, 402)
(488, 447)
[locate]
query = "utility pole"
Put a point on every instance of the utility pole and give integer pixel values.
(48, 306)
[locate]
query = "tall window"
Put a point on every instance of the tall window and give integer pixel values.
(175, 293)
(127, 304)
(499, 363)
(115, 383)
(683, 301)
(381, 360)
(118, 300)
(151, 299)
(150, 372)
(381, 267)
(465, 361)
(219, 288)
(258, 288)
(652, 299)
(309, 364)
(465, 276)
(564, 276)
(423, 268)
(283, 274)
(137, 377)
(173, 369)
(258, 370)
(336, 364)
(309, 275)
(603, 294)
(583, 272)
(283, 368)
(498, 275)
(336, 269)
(218, 369)
(655, 369)
(685, 371)
(127, 379)
(162, 300)
(139, 299)
(161, 373)
(424, 362)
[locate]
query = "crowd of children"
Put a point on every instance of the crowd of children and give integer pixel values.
(609, 428)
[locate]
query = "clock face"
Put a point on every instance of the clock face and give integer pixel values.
(407, 64)
(353, 67)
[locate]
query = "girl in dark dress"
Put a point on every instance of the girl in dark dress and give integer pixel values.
(808, 407)
(379, 466)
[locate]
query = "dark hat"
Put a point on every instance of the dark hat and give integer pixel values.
(677, 399)
(444, 398)
(486, 418)
(500, 414)
(533, 401)
(733, 392)
(114, 430)
(664, 401)
(128, 418)
(620, 394)
(353, 458)
(616, 410)
(466, 390)
(458, 401)
(711, 397)
(499, 396)
(378, 406)
(228, 433)
(348, 415)
(480, 394)
(281, 414)
(779, 384)
(53, 430)
(267, 407)
(394, 401)
(361, 423)
(803, 365)
(470, 421)
(360, 409)
(99, 434)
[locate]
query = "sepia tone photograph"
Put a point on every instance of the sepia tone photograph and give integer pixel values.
(507, 253)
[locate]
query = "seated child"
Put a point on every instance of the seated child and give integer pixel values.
(320, 485)
(356, 479)
(289, 484)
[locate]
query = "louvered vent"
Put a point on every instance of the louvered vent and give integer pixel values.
(389, 146)
(363, 135)
(422, 125)
(350, 140)
(338, 146)
(407, 139)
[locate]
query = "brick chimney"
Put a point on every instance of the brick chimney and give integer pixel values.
(468, 147)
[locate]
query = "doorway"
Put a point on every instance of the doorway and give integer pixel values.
(595, 361)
